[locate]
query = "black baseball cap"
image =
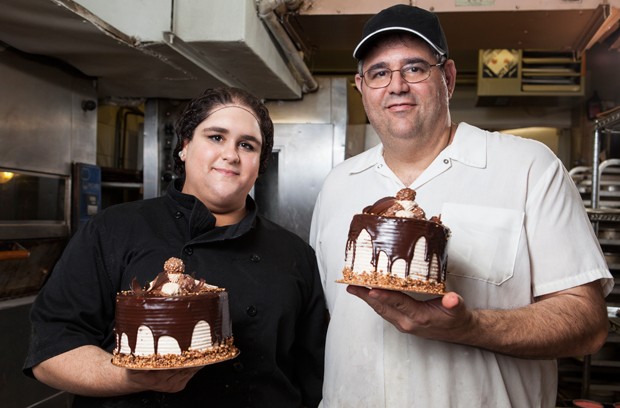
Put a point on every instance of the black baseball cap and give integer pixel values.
(401, 17)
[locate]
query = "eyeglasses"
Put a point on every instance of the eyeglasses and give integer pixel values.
(412, 73)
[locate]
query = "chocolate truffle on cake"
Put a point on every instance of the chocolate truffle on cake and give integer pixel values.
(392, 245)
(176, 321)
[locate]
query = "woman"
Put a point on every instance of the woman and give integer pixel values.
(208, 220)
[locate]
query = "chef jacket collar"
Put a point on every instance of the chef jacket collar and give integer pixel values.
(202, 221)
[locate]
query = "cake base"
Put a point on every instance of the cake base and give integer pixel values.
(391, 282)
(187, 359)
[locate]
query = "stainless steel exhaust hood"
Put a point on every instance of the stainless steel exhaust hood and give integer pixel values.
(157, 48)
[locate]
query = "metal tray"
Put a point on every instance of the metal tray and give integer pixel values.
(604, 214)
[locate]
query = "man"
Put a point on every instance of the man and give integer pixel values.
(526, 276)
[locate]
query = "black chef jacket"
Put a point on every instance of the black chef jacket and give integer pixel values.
(277, 306)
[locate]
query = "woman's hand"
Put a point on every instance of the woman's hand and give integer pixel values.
(174, 380)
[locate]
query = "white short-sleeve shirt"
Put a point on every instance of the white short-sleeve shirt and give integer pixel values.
(519, 230)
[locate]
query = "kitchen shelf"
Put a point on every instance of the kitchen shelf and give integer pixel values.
(511, 72)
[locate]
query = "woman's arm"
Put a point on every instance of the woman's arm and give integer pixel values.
(88, 371)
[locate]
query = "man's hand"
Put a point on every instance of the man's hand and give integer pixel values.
(441, 318)
(568, 323)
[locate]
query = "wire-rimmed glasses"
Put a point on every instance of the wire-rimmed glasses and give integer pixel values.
(412, 73)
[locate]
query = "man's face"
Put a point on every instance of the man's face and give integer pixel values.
(403, 110)
(222, 159)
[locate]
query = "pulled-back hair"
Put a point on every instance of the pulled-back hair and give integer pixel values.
(198, 109)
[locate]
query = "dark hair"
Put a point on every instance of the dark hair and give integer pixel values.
(198, 109)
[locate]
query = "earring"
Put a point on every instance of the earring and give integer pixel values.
(181, 154)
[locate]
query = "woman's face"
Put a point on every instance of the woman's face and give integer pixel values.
(222, 159)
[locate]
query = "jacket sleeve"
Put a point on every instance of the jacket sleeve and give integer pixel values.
(311, 332)
(76, 305)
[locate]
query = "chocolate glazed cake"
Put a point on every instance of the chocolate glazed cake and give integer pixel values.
(176, 322)
(392, 245)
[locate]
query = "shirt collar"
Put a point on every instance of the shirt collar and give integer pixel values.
(368, 159)
(469, 147)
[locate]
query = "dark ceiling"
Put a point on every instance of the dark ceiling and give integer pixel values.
(330, 39)
(325, 31)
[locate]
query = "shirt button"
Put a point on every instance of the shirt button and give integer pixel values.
(188, 250)
(379, 166)
(251, 311)
(446, 161)
(178, 215)
(255, 258)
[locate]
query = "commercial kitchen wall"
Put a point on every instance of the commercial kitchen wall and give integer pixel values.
(43, 128)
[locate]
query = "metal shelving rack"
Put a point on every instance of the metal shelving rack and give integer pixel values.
(607, 122)
(599, 186)
(605, 213)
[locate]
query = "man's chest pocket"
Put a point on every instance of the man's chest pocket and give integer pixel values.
(484, 241)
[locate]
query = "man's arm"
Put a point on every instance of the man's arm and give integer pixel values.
(571, 322)
(88, 371)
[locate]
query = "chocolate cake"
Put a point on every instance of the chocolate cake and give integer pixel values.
(176, 321)
(392, 245)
